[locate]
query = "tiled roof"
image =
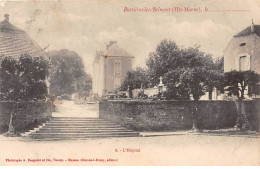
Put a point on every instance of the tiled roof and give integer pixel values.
(14, 42)
(115, 50)
(248, 31)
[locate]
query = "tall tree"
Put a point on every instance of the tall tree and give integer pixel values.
(22, 80)
(166, 57)
(67, 70)
(185, 71)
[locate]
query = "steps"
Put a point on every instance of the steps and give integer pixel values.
(77, 128)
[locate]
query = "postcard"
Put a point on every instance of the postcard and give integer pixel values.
(129, 83)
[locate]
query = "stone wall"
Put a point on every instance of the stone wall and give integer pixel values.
(252, 110)
(28, 114)
(169, 115)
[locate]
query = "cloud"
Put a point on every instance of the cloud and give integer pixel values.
(206, 33)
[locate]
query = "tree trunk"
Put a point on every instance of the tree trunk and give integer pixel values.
(210, 94)
(11, 131)
(242, 120)
(239, 118)
(195, 119)
(242, 93)
(195, 97)
(130, 93)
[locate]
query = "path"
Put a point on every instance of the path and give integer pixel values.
(70, 109)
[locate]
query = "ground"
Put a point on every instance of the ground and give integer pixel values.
(171, 148)
(70, 109)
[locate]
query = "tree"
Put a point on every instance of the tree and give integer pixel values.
(23, 79)
(67, 72)
(166, 57)
(186, 71)
(175, 89)
(214, 78)
(193, 79)
(83, 86)
(236, 83)
(136, 79)
(170, 62)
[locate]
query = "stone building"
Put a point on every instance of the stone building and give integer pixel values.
(110, 69)
(243, 51)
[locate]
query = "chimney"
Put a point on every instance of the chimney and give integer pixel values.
(252, 26)
(6, 17)
(112, 42)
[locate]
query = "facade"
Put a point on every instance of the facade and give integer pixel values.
(243, 51)
(110, 69)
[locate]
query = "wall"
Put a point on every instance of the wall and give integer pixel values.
(28, 114)
(252, 109)
(233, 50)
(126, 65)
(168, 115)
(98, 83)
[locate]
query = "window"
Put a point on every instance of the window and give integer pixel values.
(243, 44)
(117, 74)
(117, 68)
(244, 63)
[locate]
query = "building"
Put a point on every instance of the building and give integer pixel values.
(14, 41)
(110, 69)
(243, 51)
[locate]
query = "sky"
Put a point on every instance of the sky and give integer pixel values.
(87, 26)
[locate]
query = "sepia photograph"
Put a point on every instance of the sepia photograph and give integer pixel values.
(129, 83)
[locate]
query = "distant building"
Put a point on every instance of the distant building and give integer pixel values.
(243, 51)
(110, 69)
(14, 41)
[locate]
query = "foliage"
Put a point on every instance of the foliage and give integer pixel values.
(142, 95)
(23, 79)
(166, 57)
(237, 81)
(83, 86)
(67, 73)
(136, 79)
(193, 79)
(185, 71)
(175, 89)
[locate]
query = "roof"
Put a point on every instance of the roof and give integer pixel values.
(115, 50)
(14, 42)
(248, 31)
(5, 26)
